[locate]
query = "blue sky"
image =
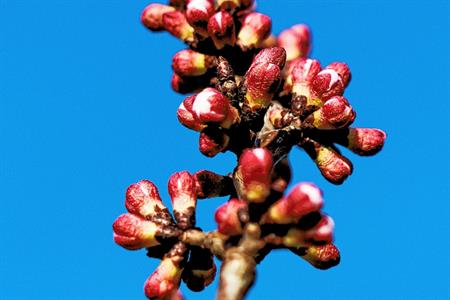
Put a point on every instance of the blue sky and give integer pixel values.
(86, 109)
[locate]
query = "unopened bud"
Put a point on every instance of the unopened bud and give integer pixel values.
(133, 232)
(186, 117)
(304, 198)
(274, 55)
(213, 141)
(222, 30)
(261, 83)
(255, 29)
(365, 141)
(198, 13)
(209, 184)
(333, 166)
(335, 113)
(184, 199)
(143, 199)
(228, 217)
(210, 106)
(175, 23)
(296, 40)
(152, 16)
(322, 257)
(343, 70)
(253, 174)
(327, 84)
(164, 281)
(191, 63)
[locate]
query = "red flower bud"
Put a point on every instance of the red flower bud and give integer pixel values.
(183, 193)
(253, 174)
(143, 199)
(210, 106)
(213, 141)
(333, 166)
(228, 217)
(322, 257)
(261, 83)
(133, 232)
(175, 22)
(255, 29)
(343, 70)
(327, 84)
(198, 13)
(164, 282)
(365, 141)
(186, 117)
(296, 40)
(304, 70)
(335, 113)
(274, 55)
(322, 232)
(152, 16)
(222, 30)
(190, 63)
(304, 198)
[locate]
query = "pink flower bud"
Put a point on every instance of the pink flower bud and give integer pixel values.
(274, 55)
(191, 63)
(222, 30)
(333, 166)
(164, 282)
(321, 233)
(304, 70)
(228, 217)
(143, 199)
(175, 22)
(304, 198)
(335, 113)
(255, 29)
(133, 232)
(343, 70)
(183, 193)
(296, 40)
(322, 257)
(253, 174)
(210, 106)
(209, 184)
(198, 13)
(152, 16)
(213, 141)
(186, 117)
(327, 84)
(261, 83)
(365, 141)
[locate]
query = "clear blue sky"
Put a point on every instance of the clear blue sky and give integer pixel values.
(86, 109)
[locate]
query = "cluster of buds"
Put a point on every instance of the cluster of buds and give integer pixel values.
(258, 96)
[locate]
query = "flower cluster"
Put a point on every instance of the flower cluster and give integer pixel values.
(258, 96)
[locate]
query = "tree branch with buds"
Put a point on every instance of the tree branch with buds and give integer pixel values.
(258, 96)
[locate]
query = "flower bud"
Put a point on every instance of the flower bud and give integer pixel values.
(133, 232)
(304, 70)
(210, 185)
(184, 199)
(175, 23)
(200, 269)
(335, 113)
(274, 55)
(343, 70)
(186, 117)
(210, 106)
(213, 141)
(228, 217)
(333, 166)
(322, 257)
(143, 199)
(164, 282)
(261, 83)
(222, 30)
(322, 232)
(152, 16)
(253, 174)
(365, 141)
(191, 63)
(327, 84)
(304, 198)
(255, 29)
(296, 40)
(198, 13)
